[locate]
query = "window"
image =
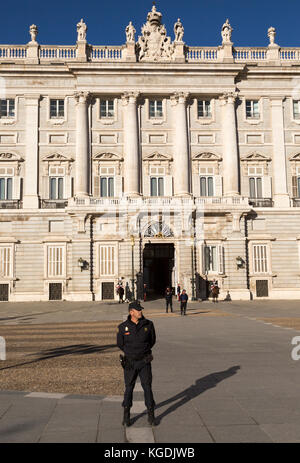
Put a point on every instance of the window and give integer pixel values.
(252, 109)
(5, 261)
(56, 185)
(107, 182)
(157, 181)
(213, 258)
(7, 108)
(5, 188)
(206, 181)
(6, 182)
(157, 186)
(255, 182)
(107, 260)
(260, 264)
(106, 109)
(204, 108)
(155, 109)
(57, 108)
(55, 261)
(296, 109)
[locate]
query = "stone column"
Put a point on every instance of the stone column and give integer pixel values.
(82, 145)
(181, 146)
(31, 198)
(280, 190)
(230, 148)
(131, 144)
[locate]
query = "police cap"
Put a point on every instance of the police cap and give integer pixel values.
(135, 305)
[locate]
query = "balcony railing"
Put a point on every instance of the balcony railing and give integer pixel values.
(53, 204)
(11, 204)
(296, 202)
(261, 202)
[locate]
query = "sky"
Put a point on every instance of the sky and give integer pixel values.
(106, 20)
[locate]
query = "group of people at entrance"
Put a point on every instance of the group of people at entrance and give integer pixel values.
(182, 298)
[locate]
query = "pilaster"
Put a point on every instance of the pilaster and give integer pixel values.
(181, 147)
(131, 144)
(82, 145)
(31, 198)
(230, 148)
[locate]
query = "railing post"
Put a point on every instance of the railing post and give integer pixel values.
(33, 47)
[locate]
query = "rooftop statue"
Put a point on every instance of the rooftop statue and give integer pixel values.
(226, 32)
(271, 35)
(81, 31)
(130, 33)
(178, 31)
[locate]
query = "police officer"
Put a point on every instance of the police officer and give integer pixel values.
(136, 337)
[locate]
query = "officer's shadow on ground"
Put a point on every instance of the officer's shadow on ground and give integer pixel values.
(200, 386)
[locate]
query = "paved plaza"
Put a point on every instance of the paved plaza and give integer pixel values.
(223, 373)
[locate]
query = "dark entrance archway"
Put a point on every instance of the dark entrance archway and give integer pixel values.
(158, 263)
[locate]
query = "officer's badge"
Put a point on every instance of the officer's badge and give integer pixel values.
(146, 329)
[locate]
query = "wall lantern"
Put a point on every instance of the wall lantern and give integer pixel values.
(83, 264)
(240, 263)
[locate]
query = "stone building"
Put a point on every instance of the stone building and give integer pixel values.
(149, 162)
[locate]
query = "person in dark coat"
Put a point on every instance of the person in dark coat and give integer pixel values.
(120, 292)
(136, 337)
(168, 298)
(183, 302)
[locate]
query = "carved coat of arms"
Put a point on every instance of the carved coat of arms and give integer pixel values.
(153, 44)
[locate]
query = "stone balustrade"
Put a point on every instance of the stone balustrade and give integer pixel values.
(100, 53)
(105, 53)
(196, 54)
(61, 52)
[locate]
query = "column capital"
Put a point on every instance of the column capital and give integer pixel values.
(229, 97)
(179, 98)
(82, 97)
(129, 97)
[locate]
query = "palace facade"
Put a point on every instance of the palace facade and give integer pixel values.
(152, 162)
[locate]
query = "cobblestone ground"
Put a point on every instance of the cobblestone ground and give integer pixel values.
(68, 357)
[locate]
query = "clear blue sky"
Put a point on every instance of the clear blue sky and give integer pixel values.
(106, 20)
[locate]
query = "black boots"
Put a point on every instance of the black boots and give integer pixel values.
(126, 419)
(151, 417)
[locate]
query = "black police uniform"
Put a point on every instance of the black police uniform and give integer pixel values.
(136, 341)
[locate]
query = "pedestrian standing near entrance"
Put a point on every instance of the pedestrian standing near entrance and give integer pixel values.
(168, 297)
(215, 292)
(136, 337)
(178, 291)
(120, 292)
(183, 302)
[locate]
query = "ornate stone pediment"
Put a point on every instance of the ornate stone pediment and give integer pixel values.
(295, 157)
(206, 157)
(57, 157)
(255, 157)
(156, 156)
(107, 157)
(10, 157)
(153, 44)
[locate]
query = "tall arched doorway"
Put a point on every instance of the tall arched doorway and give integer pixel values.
(158, 264)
